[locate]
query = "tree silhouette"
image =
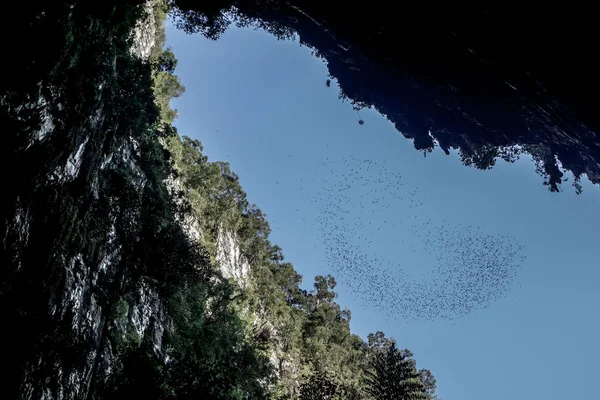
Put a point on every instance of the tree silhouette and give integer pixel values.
(394, 376)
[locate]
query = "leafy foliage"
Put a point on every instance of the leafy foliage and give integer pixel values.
(319, 387)
(394, 376)
(211, 356)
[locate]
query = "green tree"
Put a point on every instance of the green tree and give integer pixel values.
(166, 87)
(211, 357)
(167, 62)
(319, 386)
(378, 342)
(394, 376)
(429, 383)
(324, 289)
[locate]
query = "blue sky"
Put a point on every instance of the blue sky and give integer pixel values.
(263, 106)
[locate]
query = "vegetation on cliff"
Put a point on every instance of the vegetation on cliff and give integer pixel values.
(92, 246)
(305, 332)
(104, 293)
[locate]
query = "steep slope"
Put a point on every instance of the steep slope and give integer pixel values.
(131, 265)
(92, 255)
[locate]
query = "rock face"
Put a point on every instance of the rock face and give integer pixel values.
(62, 252)
(144, 34)
(82, 219)
(231, 261)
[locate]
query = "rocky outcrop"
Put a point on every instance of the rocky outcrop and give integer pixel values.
(61, 304)
(232, 263)
(144, 34)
